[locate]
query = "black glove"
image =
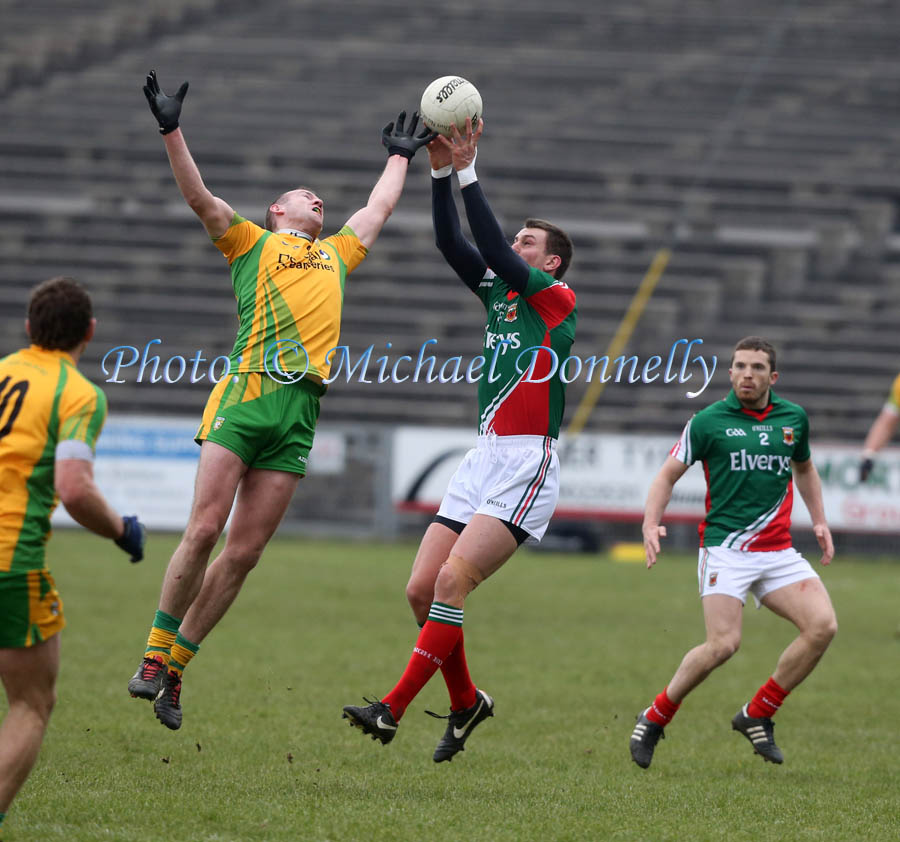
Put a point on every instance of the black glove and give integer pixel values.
(865, 468)
(165, 108)
(133, 538)
(405, 142)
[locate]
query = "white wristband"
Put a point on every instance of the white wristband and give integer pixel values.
(443, 172)
(467, 176)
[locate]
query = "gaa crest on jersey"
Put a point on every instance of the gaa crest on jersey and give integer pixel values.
(788, 433)
(511, 312)
(220, 420)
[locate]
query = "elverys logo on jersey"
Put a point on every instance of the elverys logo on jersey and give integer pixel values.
(504, 340)
(769, 462)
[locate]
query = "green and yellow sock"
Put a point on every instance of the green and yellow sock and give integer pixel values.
(162, 637)
(182, 652)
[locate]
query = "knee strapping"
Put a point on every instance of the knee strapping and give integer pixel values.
(466, 576)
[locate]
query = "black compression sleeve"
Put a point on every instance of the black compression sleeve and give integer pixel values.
(491, 242)
(462, 256)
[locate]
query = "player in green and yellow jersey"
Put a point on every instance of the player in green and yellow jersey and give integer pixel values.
(258, 425)
(882, 430)
(753, 446)
(50, 418)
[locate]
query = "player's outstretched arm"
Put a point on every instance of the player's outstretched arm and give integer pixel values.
(488, 235)
(658, 497)
(402, 142)
(74, 481)
(215, 214)
(809, 485)
(462, 256)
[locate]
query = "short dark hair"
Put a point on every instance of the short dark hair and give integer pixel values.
(756, 343)
(270, 217)
(558, 243)
(59, 314)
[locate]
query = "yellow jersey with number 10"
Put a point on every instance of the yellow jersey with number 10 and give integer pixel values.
(44, 400)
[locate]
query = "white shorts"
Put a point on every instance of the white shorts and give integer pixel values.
(513, 478)
(737, 572)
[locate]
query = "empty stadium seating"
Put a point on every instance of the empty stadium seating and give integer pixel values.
(755, 140)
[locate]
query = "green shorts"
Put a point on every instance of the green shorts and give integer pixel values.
(270, 425)
(30, 609)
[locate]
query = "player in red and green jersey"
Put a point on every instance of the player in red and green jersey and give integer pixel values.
(258, 425)
(505, 490)
(529, 331)
(883, 428)
(753, 446)
(50, 418)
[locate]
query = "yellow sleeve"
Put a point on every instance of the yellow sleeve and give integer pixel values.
(82, 412)
(240, 237)
(348, 246)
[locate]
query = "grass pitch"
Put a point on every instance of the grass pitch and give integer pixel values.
(570, 646)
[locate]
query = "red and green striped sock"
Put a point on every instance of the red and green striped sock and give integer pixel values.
(456, 675)
(438, 638)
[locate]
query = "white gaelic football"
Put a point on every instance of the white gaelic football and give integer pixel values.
(448, 101)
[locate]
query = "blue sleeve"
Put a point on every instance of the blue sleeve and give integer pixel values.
(462, 256)
(490, 240)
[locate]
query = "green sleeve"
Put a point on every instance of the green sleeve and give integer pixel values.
(802, 451)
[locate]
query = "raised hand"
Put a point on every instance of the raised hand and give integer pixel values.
(438, 155)
(463, 147)
(166, 109)
(401, 140)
